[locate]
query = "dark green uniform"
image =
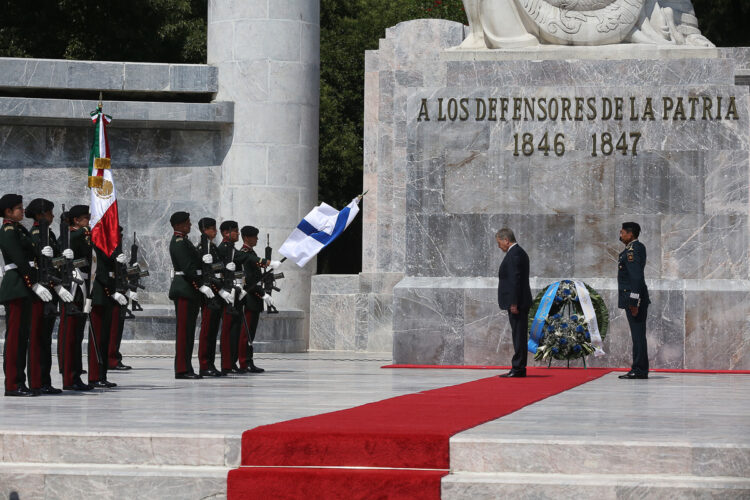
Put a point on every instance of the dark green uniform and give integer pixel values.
(102, 289)
(253, 304)
(40, 345)
(211, 312)
(185, 293)
(15, 293)
(633, 292)
(231, 319)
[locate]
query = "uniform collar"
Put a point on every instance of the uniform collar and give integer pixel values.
(8, 221)
(179, 234)
(35, 224)
(630, 245)
(245, 247)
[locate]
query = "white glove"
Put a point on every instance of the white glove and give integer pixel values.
(267, 299)
(64, 295)
(206, 291)
(243, 294)
(68, 254)
(48, 252)
(119, 298)
(208, 259)
(274, 263)
(133, 296)
(121, 259)
(231, 267)
(77, 275)
(87, 306)
(227, 296)
(42, 292)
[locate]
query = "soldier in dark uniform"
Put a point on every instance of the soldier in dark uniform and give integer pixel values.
(73, 326)
(114, 356)
(231, 319)
(106, 301)
(40, 342)
(255, 297)
(19, 292)
(211, 309)
(633, 296)
(187, 292)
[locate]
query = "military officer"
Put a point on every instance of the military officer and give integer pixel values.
(211, 309)
(106, 301)
(254, 298)
(633, 296)
(73, 326)
(40, 342)
(114, 356)
(186, 291)
(19, 290)
(231, 319)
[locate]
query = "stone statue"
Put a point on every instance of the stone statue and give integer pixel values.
(499, 24)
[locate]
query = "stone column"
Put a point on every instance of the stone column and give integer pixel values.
(268, 55)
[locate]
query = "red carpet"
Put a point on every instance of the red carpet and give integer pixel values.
(484, 367)
(411, 431)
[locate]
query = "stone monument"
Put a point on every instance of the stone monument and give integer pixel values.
(562, 144)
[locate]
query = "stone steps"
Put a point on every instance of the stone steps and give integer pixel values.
(491, 486)
(108, 465)
(488, 455)
(104, 482)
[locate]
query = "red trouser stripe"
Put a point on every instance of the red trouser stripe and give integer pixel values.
(226, 342)
(242, 348)
(203, 347)
(67, 337)
(181, 336)
(14, 345)
(35, 345)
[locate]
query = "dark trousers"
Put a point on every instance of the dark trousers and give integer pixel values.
(230, 334)
(40, 348)
(247, 336)
(638, 335)
(115, 337)
(68, 337)
(17, 323)
(101, 323)
(187, 314)
(519, 327)
(210, 322)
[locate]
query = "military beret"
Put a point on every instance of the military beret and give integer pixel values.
(632, 227)
(249, 231)
(178, 218)
(38, 206)
(9, 201)
(228, 225)
(78, 211)
(206, 222)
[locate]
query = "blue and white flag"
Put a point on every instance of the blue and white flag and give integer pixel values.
(317, 230)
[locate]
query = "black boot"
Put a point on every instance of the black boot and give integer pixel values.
(252, 368)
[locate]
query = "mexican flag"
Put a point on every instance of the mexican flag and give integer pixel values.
(104, 219)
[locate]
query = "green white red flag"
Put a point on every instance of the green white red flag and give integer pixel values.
(105, 222)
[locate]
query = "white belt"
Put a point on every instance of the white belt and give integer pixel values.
(111, 275)
(9, 267)
(179, 273)
(199, 273)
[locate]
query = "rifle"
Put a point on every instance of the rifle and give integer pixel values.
(268, 279)
(228, 278)
(208, 273)
(122, 286)
(47, 275)
(66, 266)
(135, 273)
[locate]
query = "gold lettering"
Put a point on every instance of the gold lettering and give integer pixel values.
(542, 102)
(481, 110)
(464, 102)
(452, 109)
(633, 111)
(566, 108)
(606, 108)
(517, 102)
(732, 111)
(591, 103)
(718, 107)
(503, 107)
(679, 111)
(707, 106)
(553, 114)
(648, 112)
(668, 106)
(493, 110)
(579, 109)
(528, 108)
(693, 103)
(618, 108)
(441, 116)
(424, 114)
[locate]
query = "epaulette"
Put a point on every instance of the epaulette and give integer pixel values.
(35, 231)
(8, 227)
(178, 239)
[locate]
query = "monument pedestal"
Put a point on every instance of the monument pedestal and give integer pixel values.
(562, 149)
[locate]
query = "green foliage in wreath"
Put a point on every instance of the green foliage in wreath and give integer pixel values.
(566, 331)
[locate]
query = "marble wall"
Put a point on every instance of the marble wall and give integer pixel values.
(443, 187)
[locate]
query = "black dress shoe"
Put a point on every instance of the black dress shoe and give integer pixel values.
(219, 373)
(48, 389)
(103, 383)
(512, 374)
(78, 386)
(187, 376)
(209, 373)
(20, 394)
(242, 371)
(255, 369)
(120, 366)
(633, 375)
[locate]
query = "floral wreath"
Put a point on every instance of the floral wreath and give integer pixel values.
(565, 330)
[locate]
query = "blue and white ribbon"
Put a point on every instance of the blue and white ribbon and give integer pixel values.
(588, 312)
(537, 326)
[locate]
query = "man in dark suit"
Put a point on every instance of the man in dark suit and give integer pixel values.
(514, 296)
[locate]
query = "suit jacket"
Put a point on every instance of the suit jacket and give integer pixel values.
(514, 285)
